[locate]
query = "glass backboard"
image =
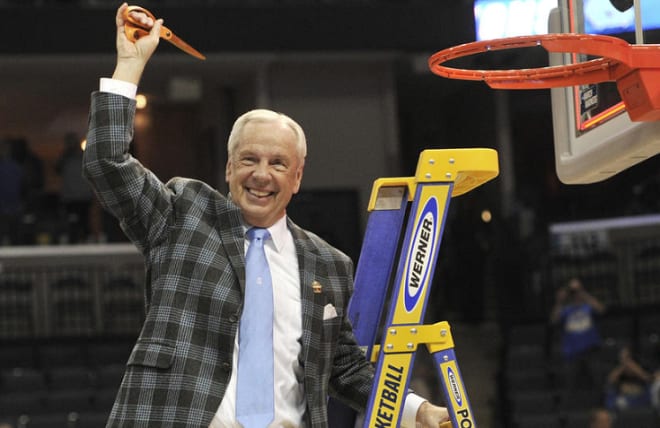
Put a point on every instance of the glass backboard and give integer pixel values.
(594, 137)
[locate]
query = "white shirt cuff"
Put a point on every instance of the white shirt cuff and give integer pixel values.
(118, 87)
(410, 408)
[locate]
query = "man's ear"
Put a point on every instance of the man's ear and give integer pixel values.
(228, 170)
(299, 176)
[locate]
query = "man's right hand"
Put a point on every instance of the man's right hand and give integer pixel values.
(132, 57)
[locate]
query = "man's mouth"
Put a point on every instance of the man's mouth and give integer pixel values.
(259, 193)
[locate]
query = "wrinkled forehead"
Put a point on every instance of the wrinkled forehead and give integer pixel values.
(275, 135)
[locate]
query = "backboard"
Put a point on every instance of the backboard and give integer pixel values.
(594, 137)
(494, 19)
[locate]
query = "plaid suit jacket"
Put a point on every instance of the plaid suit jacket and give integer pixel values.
(193, 244)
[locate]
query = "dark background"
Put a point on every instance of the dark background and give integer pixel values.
(503, 252)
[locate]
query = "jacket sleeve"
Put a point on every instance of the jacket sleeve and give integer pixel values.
(124, 187)
(352, 375)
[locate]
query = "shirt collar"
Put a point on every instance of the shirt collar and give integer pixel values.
(278, 233)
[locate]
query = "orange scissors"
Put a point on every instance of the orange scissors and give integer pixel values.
(134, 30)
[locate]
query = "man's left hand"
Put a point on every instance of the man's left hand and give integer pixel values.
(430, 416)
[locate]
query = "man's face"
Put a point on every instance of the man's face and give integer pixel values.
(264, 172)
(601, 420)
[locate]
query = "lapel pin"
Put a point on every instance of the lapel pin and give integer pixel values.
(316, 287)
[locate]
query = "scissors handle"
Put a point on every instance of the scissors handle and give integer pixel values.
(134, 30)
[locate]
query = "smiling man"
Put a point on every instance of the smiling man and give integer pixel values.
(265, 167)
(186, 368)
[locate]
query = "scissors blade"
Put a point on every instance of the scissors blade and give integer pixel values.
(176, 41)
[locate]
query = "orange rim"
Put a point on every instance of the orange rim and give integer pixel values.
(617, 59)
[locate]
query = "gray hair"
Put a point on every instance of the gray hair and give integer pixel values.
(264, 115)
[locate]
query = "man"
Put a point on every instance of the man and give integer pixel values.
(600, 418)
(574, 312)
(183, 368)
(75, 195)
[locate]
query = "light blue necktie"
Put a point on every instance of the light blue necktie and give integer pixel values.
(254, 389)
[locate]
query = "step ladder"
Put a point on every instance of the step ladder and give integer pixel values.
(395, 270)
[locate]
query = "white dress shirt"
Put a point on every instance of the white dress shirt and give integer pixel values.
(287, 328)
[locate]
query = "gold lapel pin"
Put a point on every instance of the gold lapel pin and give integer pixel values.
(316, 287)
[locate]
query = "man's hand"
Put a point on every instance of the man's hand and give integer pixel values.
(430, 416)
(133, 57)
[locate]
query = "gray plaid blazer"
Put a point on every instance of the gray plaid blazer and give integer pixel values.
(192, 240)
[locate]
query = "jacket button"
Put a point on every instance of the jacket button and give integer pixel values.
(233, 318)
(226, 366)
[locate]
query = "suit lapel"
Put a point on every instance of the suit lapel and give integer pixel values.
(232, 233)
(311, 269)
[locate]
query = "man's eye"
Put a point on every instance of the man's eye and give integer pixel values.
(279, 165)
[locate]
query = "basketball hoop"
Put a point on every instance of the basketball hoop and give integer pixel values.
(634, 68)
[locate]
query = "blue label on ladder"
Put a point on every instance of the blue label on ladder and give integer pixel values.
(421, 253)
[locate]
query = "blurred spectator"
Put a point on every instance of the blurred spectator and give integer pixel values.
(10, 195)
(33, 174)
(655, 391)
(575, 312)
(600, 418)
(628, 384)
(75, 193)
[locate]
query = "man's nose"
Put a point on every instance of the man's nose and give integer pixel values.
(261, 170)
